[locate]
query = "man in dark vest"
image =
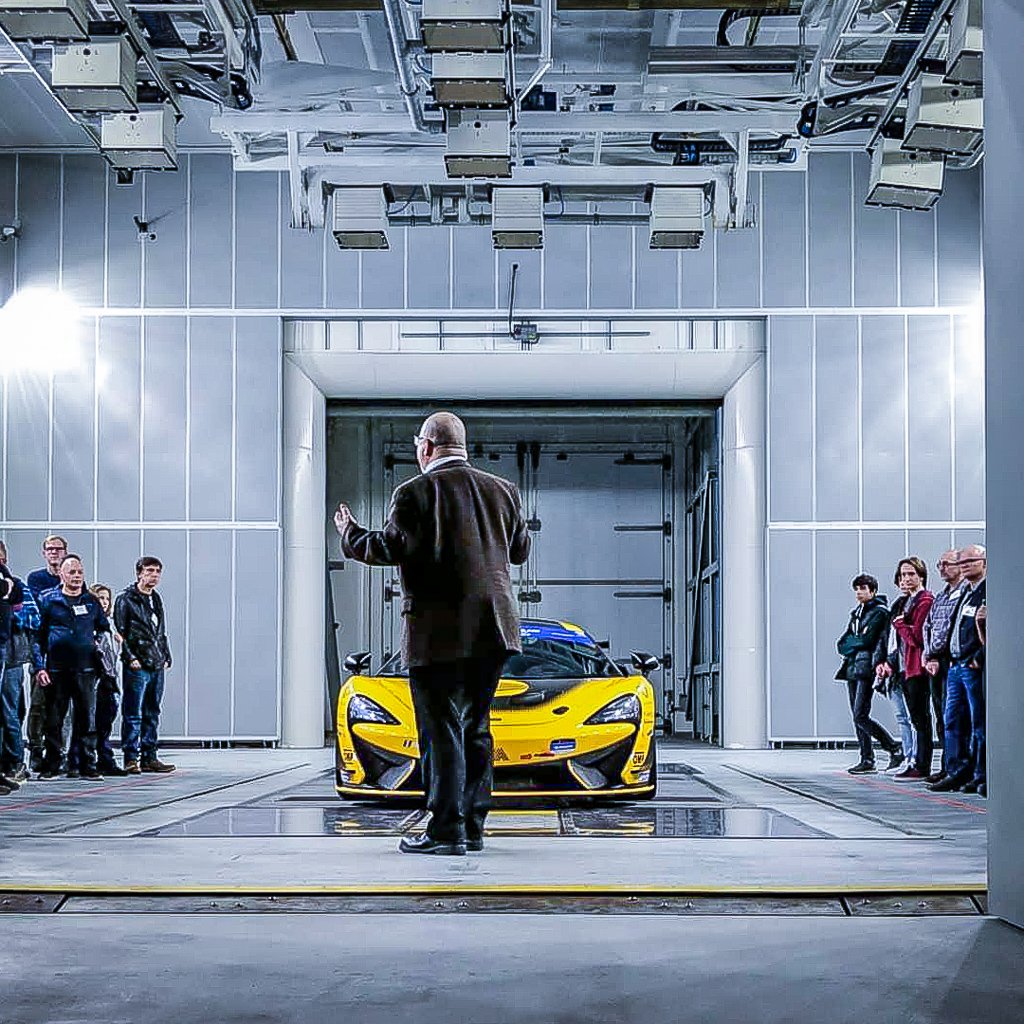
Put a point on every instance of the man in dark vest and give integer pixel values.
(452, 531)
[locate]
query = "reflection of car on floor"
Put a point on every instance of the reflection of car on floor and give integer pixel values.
(566, 721)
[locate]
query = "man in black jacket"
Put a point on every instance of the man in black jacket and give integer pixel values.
(70, 618)
(868, 622)
(10, 595)
(965, 684)
(146, 655)
(452, 531)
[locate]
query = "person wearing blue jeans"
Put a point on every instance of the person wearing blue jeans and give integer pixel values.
(145, 656)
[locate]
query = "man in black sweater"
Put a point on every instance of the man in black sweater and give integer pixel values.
(65, 661)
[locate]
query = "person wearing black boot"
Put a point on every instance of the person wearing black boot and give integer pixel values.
(869, 621)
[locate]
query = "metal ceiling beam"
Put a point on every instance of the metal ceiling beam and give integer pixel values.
(530, 122)
(791, 6)
(690, 60)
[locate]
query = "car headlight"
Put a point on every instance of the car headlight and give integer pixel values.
(623, 709)
(362, 709)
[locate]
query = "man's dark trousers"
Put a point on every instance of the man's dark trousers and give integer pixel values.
(79, 689)
(860, 692)
(452, 703)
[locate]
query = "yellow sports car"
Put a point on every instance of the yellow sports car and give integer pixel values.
(566, 721)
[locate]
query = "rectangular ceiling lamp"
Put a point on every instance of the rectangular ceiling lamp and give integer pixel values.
(464, 80)
(517, 218)
(677, 217)
(96, 76)
(45, 20)
(360, 218)
(144, 141)
(907, 180)
(964, 53)
(463, 26)
(944, 118)
(479, 144)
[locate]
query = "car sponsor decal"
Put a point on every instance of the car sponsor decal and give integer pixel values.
(555, 631)
(562, 746)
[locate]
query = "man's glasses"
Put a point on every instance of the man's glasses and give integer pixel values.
(54, 549)
(945, 565)
(968, 561)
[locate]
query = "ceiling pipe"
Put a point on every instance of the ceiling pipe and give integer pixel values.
(399, 44)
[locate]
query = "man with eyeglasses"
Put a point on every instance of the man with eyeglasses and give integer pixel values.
(937, 628)
(965, 684)
(39, 582)
(453, 532)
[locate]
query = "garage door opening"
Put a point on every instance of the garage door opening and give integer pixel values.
(623, 509)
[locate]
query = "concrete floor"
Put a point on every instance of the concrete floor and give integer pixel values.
(122, 894)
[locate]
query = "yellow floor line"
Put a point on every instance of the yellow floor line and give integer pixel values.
(495, 889)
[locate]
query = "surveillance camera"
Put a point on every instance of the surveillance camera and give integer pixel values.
(9, 231)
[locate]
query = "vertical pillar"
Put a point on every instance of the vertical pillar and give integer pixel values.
(304, 482)
(1004, 374)
(744, 524)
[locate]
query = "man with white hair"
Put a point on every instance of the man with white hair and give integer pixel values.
(453, 532)
(965, 684)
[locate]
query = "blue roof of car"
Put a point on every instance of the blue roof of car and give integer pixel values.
(564, 632)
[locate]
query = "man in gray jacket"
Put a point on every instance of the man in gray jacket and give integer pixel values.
(453, 532)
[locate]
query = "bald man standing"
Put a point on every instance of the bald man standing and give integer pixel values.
(453, 532)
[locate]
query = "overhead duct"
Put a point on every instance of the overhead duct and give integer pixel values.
(944, 118)
(479, 144)
(517, 218)
(907, 180)
(99, 75)
(463, 26)
(964, 52)
(360, 218)
(677, 217)
(142, 141)
(45, 20)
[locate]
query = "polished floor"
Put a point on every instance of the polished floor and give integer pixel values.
(762, 886)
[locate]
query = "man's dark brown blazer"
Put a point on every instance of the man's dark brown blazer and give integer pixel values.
(452, 532)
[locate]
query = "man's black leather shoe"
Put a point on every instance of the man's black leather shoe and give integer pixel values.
(971, 787)
(983, 790)
(111, 769)
(424, 844)
(474, 844)
(862, 768)
(948, 784)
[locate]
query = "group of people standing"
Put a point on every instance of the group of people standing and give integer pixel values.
(926, 654)
(57, 632)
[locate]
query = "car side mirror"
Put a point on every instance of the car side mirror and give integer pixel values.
(644, 663)
(358, 662)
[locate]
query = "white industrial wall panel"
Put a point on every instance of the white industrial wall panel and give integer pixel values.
(124, 250)
(565, 266)
(119, 421)
(784, 228)
(430, 263)
(883, 418)
(341, 275)
(611, 267)
(256, 639)
(836, 399)
(738, 266)
(165, 209)
(528, 277)
(917, 257)
(165, 400)
(110, 557)
(302, 260)
(256, 253)
(382, 274)
(929, 417)
(830, 230)
(836, 561)
(211, 183)
(73, 448)
(8, 212)
(958, 231)
(875, 260)
(211, 385)
(210, 634)
(84, 216)
(657, 273)
(791, 419)
(473, 284)
(39, 209)
(791, 645)
(969, 418)
(256, 400)
(698, 273)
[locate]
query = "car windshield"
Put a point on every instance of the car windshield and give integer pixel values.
(546, 654)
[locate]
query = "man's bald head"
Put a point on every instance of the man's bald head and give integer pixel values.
(447, 432)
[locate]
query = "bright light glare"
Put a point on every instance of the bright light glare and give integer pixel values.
(39, 331)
